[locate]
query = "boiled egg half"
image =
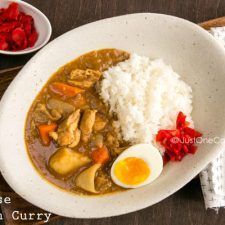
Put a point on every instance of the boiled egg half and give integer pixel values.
(137, 166)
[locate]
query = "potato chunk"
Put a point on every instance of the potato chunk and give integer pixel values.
(66, 161)
(86, 179)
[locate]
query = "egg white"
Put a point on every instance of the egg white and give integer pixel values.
(146, 152)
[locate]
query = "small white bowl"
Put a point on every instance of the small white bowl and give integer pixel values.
(41, 22)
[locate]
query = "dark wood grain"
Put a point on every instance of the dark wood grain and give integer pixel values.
(186, 207)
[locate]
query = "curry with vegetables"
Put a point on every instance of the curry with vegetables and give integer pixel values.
(70, 135)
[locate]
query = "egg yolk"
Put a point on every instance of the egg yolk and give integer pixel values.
(132, 171)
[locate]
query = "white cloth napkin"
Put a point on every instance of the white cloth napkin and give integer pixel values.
(213, 176)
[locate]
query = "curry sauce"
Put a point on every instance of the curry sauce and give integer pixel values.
(68, 122)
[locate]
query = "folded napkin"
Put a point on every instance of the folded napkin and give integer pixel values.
(213, 176)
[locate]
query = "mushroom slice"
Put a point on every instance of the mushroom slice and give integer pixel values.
(67, 130)
(86, 179)
(87, 123)
(42, 109)
(56, 114)
(60, 106)
(66, 161)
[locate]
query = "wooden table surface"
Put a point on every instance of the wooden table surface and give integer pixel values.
(186, 207)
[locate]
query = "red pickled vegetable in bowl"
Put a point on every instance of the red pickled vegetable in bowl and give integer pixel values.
(17, 30)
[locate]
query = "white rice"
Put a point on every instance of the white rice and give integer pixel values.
(146, 95)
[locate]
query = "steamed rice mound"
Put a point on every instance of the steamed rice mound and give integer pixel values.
(146, 95)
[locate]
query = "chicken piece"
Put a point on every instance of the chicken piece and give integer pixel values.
(112, 140)
(80, 102)
(77, 135)
(99, 123)
(86, 179)
(84, 78)
(59, 106)
(88, 74)
(87, 123)
(84, 84)
(42, 114)
(65, 161)
(68, 133)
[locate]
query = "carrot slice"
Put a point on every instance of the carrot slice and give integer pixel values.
(44, 130)
(65, 89)
(100, 155)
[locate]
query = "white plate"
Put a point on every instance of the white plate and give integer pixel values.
(191, 51)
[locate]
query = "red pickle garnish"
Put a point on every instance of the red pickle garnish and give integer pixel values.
(180, 141)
